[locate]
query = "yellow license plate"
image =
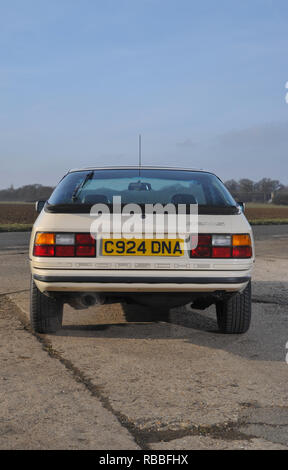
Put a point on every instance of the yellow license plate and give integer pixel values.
(140, 247)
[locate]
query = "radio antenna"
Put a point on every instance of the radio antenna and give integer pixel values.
(140, 153)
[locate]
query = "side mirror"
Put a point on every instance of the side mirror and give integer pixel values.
(39, 206)
(242, 206)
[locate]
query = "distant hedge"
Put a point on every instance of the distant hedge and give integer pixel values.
(28, 193)
(281, 198)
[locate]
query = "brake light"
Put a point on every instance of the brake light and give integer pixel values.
(221, 252)
(85, 250)
(45, 250)
(223, 246)
(64, 245)
(84, 239)
(204, 239)
(242, 252)
(203, 249)
(65, 250)
(201, 252)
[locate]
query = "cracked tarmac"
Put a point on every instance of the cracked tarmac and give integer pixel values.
(103, 382)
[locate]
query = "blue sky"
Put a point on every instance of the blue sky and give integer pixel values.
(202, 81)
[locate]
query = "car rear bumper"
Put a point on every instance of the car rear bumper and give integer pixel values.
(141, 281)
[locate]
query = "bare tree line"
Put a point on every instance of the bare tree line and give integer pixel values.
(28, 193)
(266, 190)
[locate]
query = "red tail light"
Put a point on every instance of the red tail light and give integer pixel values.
(204, 239)
(44, 250)
(223, 246)
(85, 250)
(242, 252)
(65, 250)
(221, 252)
(64, 245)
(84, 239)
(203, 248)
(201, 252)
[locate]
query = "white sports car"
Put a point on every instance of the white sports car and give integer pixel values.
(114, 235)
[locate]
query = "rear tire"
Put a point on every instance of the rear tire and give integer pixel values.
(234, 314)
(46, 313)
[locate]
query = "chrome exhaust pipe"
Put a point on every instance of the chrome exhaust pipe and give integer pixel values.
(89, 300)
(86, 300)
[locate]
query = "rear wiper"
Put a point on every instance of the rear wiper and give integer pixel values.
(80, 186)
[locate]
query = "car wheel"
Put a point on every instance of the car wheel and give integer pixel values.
(234, 314)
(46, 313)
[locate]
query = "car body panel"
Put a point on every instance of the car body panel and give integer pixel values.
(134, 273)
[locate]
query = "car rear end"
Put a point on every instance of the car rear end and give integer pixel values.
(72, 263)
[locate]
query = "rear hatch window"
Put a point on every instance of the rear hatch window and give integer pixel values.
(78, 191)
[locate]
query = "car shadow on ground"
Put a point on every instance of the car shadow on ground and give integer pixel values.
(143, 322)
(265, 340)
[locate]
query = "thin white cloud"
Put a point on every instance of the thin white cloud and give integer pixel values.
(267, 134)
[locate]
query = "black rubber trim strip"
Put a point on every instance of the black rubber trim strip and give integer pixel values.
(86, 208)
(143, 280)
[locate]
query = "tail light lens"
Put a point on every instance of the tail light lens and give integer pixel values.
(64, 245)
(242, 252)
(221, 252)
(45, 250)
(201, 252)
(241, 240)
(221, 240)
(203, 249)
(65, 239)
(223, 246)
(65, 250)
(84, 239)
(45, 239)
(85, 250)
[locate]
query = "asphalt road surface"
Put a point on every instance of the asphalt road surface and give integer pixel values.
(14, 240)
(114, 379)
(267, 232)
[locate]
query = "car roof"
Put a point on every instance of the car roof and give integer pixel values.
(137, 168)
